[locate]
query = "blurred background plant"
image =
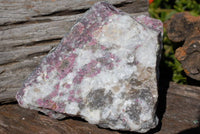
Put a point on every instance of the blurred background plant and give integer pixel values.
(163, 10)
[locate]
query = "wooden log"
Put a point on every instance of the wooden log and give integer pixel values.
(185, 90)
(185, 27)
(14, 119)
(19, 11)
(182, 113)
(29, 29)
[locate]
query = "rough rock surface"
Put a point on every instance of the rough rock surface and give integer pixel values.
(183, 27)
(104, 70)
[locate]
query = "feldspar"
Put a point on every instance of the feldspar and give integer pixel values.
(104, 70)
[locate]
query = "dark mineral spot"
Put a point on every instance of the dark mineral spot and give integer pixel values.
(103, 125)
(146, 95)
(64, 64)
(134, 111)
(135, 82)
(98, 99)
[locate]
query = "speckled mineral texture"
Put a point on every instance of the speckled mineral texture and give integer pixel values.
(104, 70)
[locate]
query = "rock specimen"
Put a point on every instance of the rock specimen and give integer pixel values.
(104, 70)
(185, 27)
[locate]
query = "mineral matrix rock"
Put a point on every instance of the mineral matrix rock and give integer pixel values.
(104, 70)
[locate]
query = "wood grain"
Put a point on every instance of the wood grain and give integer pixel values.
(15, 11)
(182, 114)
(185, 90)
(16, 120)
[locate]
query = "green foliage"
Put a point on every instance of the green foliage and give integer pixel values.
(188, 5)
(163, 10)
(170, 61)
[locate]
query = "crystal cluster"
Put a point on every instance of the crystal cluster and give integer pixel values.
(104, 70)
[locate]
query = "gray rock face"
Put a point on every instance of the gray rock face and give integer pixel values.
(104, 70)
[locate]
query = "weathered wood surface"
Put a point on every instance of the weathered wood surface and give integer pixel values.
(185, 90)
(14, 11)
(30, 28)
(181, 116)
(15, 120)
(182, 113)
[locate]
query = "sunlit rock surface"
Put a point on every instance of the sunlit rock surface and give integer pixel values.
(104, 70)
